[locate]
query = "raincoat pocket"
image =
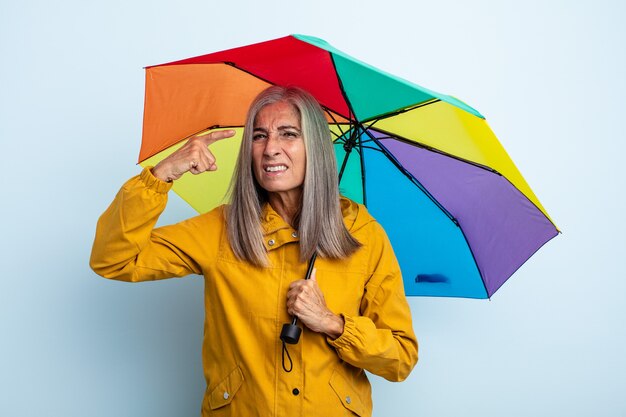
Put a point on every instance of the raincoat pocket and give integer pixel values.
(225, 391)
(347, 393)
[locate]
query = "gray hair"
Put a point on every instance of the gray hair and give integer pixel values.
(319, 222)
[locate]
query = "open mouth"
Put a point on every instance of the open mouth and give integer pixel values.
(276, 168)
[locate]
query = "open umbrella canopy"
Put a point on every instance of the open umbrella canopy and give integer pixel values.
(459, 214)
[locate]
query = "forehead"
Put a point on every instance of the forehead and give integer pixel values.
(279, 113)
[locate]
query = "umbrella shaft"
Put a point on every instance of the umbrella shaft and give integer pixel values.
(347, 146)
(343, 165)
(291, 333)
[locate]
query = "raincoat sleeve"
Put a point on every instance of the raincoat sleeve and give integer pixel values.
(381, 339)
(127, 248)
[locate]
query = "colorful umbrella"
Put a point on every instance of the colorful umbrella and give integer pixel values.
(459, 214)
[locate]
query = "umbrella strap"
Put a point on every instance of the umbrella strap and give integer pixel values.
(286, 352)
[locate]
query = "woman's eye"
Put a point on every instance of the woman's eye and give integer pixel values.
(258, 136)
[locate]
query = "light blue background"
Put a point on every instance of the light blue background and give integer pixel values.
(550, 76)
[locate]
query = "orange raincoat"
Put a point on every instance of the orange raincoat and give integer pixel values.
(246, 305)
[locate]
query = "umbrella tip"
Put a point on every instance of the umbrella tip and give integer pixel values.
(309, 39)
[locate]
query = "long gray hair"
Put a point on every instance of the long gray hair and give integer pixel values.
(319, 222)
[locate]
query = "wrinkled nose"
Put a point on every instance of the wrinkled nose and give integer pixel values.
(272, 146)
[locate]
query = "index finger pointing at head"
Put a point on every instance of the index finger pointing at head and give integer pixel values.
(215, 136)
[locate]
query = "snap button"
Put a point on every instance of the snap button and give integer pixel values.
(294, 234)
(348, 400)
(271, 242)
(295, 391)
(226, 395)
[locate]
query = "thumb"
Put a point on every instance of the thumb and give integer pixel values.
(313, 275)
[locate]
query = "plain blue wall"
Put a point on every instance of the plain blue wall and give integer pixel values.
(548, 75)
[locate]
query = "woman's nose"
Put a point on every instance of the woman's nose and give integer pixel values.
(272, 145)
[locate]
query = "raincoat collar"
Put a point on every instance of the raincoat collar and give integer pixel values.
(354, 217)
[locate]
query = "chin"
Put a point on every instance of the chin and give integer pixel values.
(281, 188)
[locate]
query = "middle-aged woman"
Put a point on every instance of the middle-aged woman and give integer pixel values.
(285, 206)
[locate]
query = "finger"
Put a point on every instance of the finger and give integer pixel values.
(293, 307)
(197, 164)
(298, 306)
(210, 161)
(293, 291)
(296, 284)
(215, 136)
(313, 276)
(195, 168)
(207, 159)
(200, 160)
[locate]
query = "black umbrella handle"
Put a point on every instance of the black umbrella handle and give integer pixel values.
(291, 331)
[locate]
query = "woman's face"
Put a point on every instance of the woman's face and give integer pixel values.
(278, 151)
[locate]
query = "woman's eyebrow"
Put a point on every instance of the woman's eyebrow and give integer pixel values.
(288, 127)
(284, 127)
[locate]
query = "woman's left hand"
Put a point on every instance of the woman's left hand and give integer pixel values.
(306, 301)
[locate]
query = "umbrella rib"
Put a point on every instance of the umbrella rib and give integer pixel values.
(232, 64)
(371, 148)
(432, 149)
(351, 115)
(362, 159)
(414, 180)
(402, 110)
(382, 137)
(354, 124)
(330, 114)
(327, 110)
(342, 141)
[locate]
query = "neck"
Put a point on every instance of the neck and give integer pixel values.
(286, 204)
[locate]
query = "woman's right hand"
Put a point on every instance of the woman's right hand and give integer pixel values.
(194, 156)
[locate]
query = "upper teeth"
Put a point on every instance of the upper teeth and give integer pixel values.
(277, 168)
